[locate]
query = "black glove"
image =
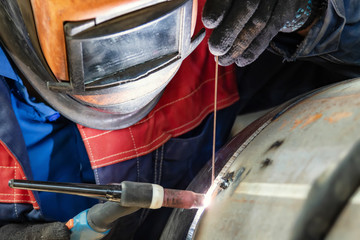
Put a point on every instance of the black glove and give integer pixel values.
(46, 231)
(244, 28)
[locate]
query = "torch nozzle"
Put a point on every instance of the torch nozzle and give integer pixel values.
(182, 199)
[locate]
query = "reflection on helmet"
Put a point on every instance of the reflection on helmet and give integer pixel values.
(102, 64)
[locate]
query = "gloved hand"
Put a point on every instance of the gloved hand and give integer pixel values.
(243, 29)
(45, 231)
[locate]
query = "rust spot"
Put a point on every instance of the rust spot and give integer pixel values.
(306, 121)
(338, 116)
(297, 123)
(311, 119)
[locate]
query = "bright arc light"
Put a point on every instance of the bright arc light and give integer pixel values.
(207, 200)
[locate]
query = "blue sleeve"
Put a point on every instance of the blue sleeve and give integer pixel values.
(54, 148)
(6, 69)
(334, 38)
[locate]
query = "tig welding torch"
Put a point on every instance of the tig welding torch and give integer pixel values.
(122, 199)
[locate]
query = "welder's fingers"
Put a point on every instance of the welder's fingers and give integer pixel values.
(263, 39)
(251, 30)
(224, 35)
(214, 12)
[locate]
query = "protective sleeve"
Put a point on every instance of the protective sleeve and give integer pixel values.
(334, 40)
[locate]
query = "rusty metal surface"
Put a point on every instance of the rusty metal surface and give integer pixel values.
(278, 167)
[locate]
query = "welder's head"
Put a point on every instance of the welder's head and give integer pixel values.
(101, 63)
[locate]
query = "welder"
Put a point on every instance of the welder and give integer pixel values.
(107, 91)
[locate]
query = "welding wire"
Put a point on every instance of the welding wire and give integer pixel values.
(215, 109)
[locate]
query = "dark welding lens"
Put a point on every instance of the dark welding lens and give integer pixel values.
(123, 49)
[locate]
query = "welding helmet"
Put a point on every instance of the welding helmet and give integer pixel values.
(101, 63)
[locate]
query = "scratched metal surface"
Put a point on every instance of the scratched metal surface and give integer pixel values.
(273, 172)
